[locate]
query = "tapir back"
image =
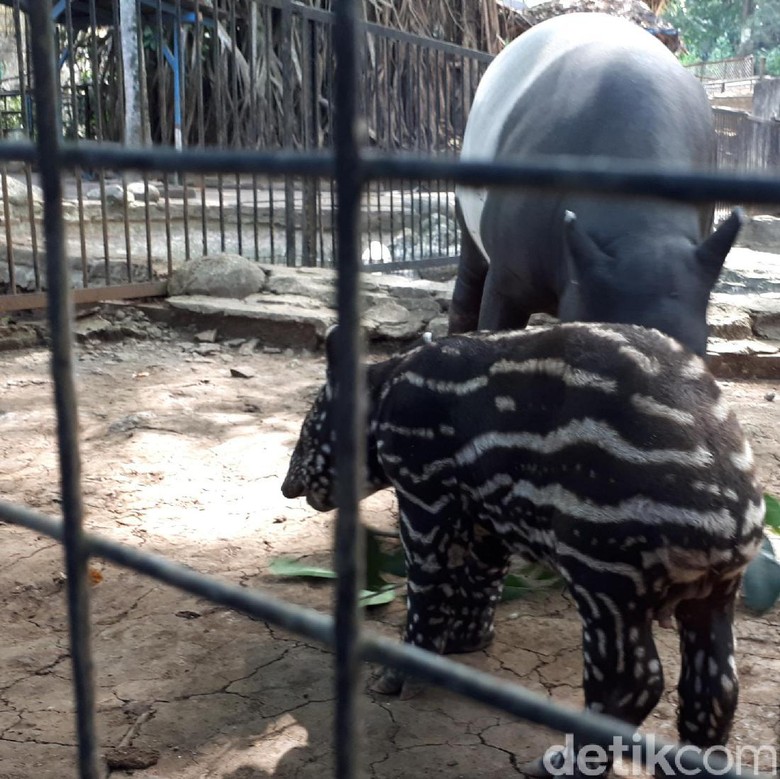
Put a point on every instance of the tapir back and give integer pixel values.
(581, 431)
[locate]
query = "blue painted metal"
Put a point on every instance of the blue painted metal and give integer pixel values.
(177, 70)
(57, 10)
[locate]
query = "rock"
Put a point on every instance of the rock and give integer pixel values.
(114, 194)
(744, 360)
(743, 346)
(130, 758)
(18, 195)
(439, 272)
(242, 372)
(289, 285)
(279, 324)
(144, 192)
(206, 337)
(206, 349)
(218, 275)
(727, 321)
(388, 319)
(761, 233)
(131, 422)
(247, 347)
(438, 326)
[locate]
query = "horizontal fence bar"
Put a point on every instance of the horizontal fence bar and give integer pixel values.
(328, 17)
(27, 300)
(579, 174)
(383, 267)
(555, 172)
(480, 686)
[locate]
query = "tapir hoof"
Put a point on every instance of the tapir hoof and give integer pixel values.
(535, 768)
(392, 682)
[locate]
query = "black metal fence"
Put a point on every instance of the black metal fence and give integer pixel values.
(236, 74)
(352, 167)
(745, 143)
(249, 74)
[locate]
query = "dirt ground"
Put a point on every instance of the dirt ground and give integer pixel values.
(181, 458)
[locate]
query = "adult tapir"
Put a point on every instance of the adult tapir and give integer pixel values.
(596, 86)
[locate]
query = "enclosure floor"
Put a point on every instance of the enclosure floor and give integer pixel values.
(182, 459)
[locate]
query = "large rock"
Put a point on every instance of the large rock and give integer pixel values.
(761, 233)
(727, 321)
(273, 322)
(218, 275)
(19, 195)
(115, 194)
(144, 191)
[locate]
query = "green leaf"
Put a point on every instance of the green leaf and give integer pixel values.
(772, 518)
(527, 580)
(378, 597)
(377, 594)
(374, 568)
(284, 567)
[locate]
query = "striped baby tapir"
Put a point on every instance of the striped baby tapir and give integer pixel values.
(606, 452)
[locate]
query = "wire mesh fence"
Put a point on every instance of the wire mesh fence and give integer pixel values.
(352, 167)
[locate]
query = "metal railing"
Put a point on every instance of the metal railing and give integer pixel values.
(273, 91)
(352, 167)
(209, 84)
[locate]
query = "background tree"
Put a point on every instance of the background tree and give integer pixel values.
(718, 29)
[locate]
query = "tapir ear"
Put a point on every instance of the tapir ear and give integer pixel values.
(713, 250)
(330, 348)
(582, 250)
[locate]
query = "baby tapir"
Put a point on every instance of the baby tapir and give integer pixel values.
(604, 451)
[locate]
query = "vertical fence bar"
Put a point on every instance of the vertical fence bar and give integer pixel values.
(309, 108)
(23, 64)
(75, 131)
(200, 119)
(237, 121)
(253, 135)
(60, 316)
(288, 125)
(179, 31)
(350, 408)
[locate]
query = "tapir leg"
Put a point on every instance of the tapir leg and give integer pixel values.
(469, 284)
(622, 676)
(479, 583)
(454, 582)
(502, 308)
(708, 687)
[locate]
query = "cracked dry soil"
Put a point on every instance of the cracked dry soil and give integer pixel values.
(182, 459)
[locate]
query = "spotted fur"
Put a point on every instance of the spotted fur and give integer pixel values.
(604, 451)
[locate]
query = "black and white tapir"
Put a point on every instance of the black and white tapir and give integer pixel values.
(604, 451)
(595, 86)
